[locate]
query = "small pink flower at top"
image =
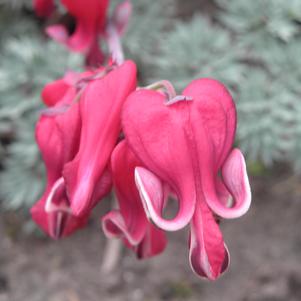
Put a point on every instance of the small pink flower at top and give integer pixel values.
(92, 26)
(90, 20)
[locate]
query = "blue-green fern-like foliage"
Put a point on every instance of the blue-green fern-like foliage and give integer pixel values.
(254, 48)
(269, 34)
(22, 76)
(28, 62)
(258, 20)
(145, 34)
(16, 5)
(198, 49)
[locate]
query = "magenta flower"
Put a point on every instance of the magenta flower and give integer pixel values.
(90, 19)
(129, 222)
(187, 145)
(76, 136)
(57, 137)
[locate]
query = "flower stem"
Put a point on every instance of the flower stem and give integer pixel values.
(112, 251)
(164, 86)
(114, 43)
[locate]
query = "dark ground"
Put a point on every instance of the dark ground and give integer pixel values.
(265, 248)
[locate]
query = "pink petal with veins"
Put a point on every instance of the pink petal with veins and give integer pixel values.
(155, 134)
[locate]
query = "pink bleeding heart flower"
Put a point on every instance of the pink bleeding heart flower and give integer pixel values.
(188, 145)
(58, 137)
(100, 110)
(90, 19)
(129, 222)
(43, 8)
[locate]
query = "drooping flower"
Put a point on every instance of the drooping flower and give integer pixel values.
(57, 137)
(129, 222)
(90, 21)
(100, 110)
(58, 140)
(92, 26)
(43, 8)
(188, 145)
(76, 136)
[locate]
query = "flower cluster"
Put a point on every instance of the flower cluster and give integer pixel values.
(100, 131)
(180, 147)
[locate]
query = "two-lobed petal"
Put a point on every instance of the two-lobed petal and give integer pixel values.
(187, 144)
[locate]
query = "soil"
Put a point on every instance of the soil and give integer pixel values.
(265, 247)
